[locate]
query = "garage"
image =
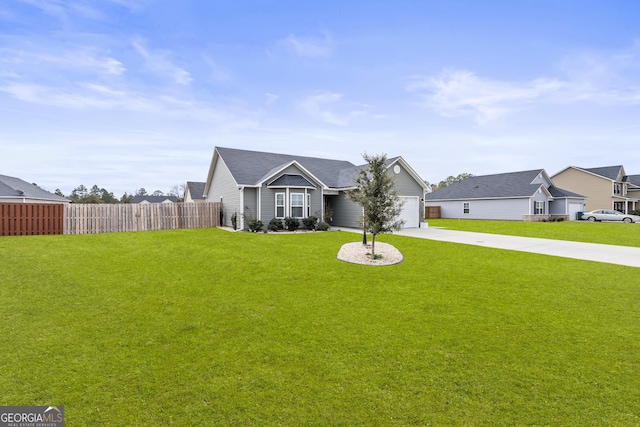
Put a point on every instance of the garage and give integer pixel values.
(574, 208)
(410, 212)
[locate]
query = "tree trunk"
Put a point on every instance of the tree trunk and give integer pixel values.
(373, 246)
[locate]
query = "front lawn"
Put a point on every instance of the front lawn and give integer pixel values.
(207, 327)
(610, 233)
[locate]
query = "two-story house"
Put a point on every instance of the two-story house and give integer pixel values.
(606, 187)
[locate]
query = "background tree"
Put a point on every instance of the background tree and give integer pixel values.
(178, 190)
(377, 194)
(141, 192)
(127, 198)
(453, 179)
(157, 193)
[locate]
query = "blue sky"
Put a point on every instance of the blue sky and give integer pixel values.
(136, 93)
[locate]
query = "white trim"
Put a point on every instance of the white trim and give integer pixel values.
(296, 206)
(259, 203)
(291, 163)
(284, 207)
(241, 189)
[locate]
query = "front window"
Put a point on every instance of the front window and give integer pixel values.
(297, 205)
(618, 206)
(465, 207)
(308, 205)
(617, 189)
(539, 208)
(279, 205)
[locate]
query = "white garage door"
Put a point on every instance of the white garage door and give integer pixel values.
(574, 208)
(410, 213)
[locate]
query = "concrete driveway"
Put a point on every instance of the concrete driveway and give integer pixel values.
(621, 255)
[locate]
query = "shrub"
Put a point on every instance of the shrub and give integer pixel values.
(310, 222)
(234, 220)
(291, 224)
(322, 226)
(275, 225)
(255, 225)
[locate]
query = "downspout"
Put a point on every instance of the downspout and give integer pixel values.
(241, 226)
(259, 202)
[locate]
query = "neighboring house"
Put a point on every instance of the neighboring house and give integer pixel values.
(155, 199)
(633, 189)
(15, 190)
(605, 187)
(526, 195)
(259, 185)
(194, 192)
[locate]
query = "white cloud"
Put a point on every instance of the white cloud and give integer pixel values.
(24, 61)
(158, 61)
(323, 106)
(88, 96)
(53, 8)
(602, 78)
(609, 78)
(311, 47)
(462, 93)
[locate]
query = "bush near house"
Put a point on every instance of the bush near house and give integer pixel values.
(291, 224)
(275, 225)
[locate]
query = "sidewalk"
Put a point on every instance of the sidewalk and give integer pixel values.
(621, 255)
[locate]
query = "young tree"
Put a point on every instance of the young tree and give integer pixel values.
(178, 190)
(377, 194)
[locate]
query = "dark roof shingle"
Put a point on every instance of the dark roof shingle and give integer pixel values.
(16, 187)
(251, 167)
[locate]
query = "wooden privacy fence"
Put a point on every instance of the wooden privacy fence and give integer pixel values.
(22, 219)
(103, 218)
(431, 212)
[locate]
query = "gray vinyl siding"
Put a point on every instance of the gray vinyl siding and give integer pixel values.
(407, 186)
(250, 205)
(558, 207)
(506, 209)
(223, 185)
(345, 212)
(268, 195)
(268, 199)
(539, 197)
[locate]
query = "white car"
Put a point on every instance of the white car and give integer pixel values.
(609, 215)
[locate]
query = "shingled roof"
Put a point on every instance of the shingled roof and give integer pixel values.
(252, 167)
(196, 189)
(610, 172)
(503, 185)
(11, 187)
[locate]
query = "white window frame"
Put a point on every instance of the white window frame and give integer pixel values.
(538, 207)
(292, 205)
(466, 208)
(283, 205)
(308, 205)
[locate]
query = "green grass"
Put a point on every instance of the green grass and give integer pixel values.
(206, 327)
(610, 233)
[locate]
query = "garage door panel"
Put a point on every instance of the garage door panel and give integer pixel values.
(410, 213)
